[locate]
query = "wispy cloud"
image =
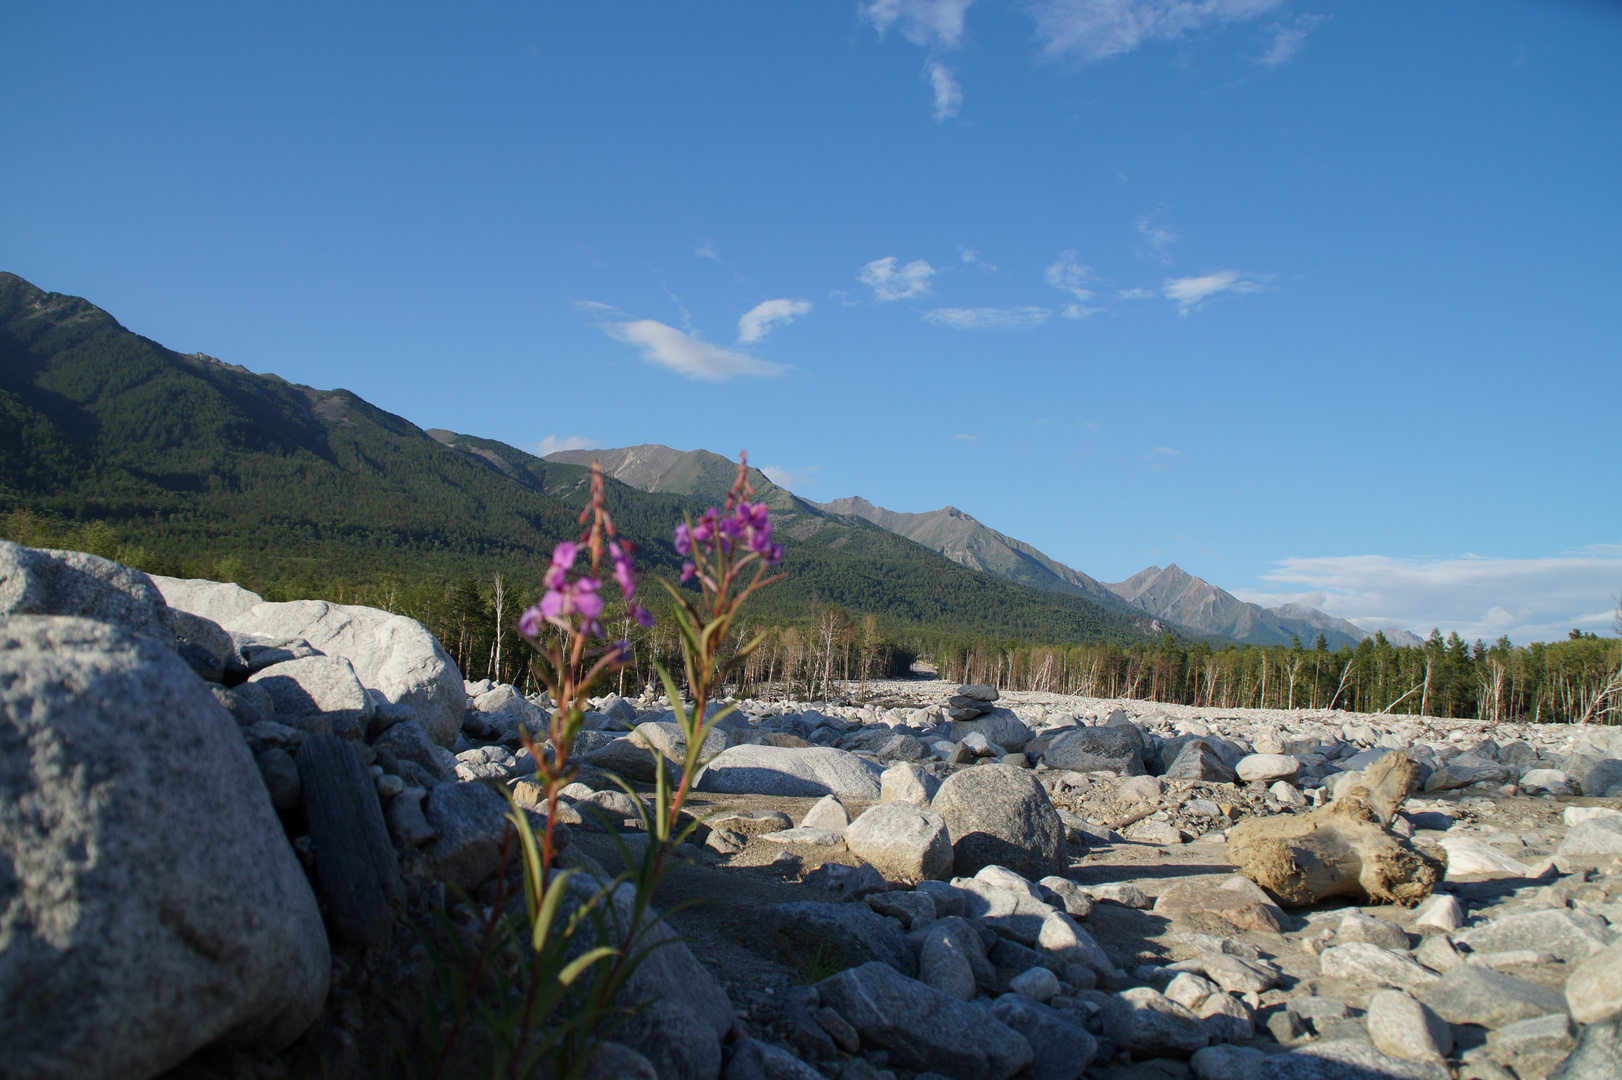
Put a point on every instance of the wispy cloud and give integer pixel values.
(1090, 30)
(972, 257)
(1535, 599)
(1288, 39)
(687, 355)
(948, 94)
(1158, 235)
(551, 444)
(989, 318)
(1190, 293)
(792, 479)
(758, 321)
(890, 282)
(1136, 294)
(964, 438)
(1160, 457)
(931, 24)
(1069, 275)
(706, 248)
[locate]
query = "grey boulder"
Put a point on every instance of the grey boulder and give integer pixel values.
(1471, 994)
(154, 906)
(903, 842)
(794, 772)
(319, 694)
(37, 582)
(923, 1029)
(1001, 815)
(1097, 749)
(849, 934)
(1150, 1024)
(390, 653)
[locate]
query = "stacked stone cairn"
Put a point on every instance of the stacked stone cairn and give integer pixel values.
(224, 822)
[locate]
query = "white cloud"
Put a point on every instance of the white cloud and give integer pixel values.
(1136, 294)
(1536, 599)
(1160, 457)
(1097, 29)
(948, 95)
(989, 318)
(790, 478)
(1078, 311)
(758, 321)
(931, 24)
(1068, 275)
(706, 249)
(972, 258)
(1288, 39)
(964, 438)
(1191, 292)
(683, 353)
(1159, 235)
(596, 307)
(551, 444)
(890, 283)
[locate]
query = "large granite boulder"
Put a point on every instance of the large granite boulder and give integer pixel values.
(390, 653)
(999, 814)
(921, 1028)
(36, 582)
(151, 903)
(1097, 749)
(795, 772)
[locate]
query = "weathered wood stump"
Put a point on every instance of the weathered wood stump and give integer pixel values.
(1343, 849)
(356, 873)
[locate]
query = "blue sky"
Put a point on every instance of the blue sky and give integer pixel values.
(1317, 300)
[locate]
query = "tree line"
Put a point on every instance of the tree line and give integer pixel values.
(814, 650)
(1571, 681)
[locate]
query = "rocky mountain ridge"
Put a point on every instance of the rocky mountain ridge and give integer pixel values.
(1170, 595)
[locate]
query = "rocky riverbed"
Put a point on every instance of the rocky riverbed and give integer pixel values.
(225, 822)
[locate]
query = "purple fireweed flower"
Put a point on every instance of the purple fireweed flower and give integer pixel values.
(624, 569)
(620, 651)
(684, 539)
(529, 623)
(573, 598)
(642, 615)
(687, 571)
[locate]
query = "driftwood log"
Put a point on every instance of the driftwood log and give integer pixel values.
(1343, 849)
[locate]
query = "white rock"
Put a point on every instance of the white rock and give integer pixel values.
(1443, 911)
(1594, 987)
(1359, 961)
(908, 782)
(1038, 983)
(153, 905)
(1286, 794)
(826, 813)
(903, 842)
(1467, 856)
(790, 771)
(1576, 815)
(390, 653)
(1267, 767)
(1402, 1027)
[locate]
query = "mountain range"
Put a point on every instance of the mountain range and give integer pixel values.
(197, 459)
(1170, 595)
(201, 463)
